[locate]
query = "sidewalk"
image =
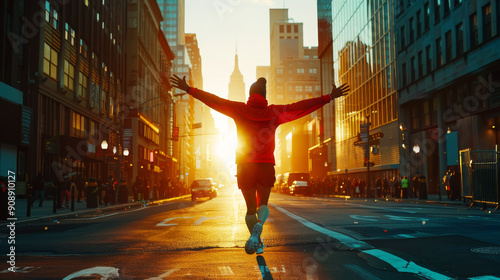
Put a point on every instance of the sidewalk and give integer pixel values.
(431, 198)
(80, 208)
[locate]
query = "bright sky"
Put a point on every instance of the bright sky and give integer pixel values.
(220, 24)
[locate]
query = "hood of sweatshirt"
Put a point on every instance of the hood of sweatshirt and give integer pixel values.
(257, 100)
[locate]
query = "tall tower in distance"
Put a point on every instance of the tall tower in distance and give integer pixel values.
(236, 84)
(236, 92)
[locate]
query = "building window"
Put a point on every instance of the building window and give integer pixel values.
(49, 61)
(298, 88)
(401, 6)
(78, 125)
(446, 7)
(459, 33)
(51, 15)
(437, 11)
(69, 34)
(420, 65)
(403, 74)
(103, 101)
(413, 70)
(69, 75)
(318, 88)
(309, 88)
(296, 29)
(449, 48)
(419, 24)
(300, 70)
(82, 85)
(439, 53)
(412, 31)
(428, 59)
(279, 70)
(474, 33)
(282, 28)
(427, 16)
(313, 71)
(487, 31)
(402, 33)
(86, 2)
(288, 28)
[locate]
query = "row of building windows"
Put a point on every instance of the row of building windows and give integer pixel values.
(289, 37)
(444, 52)
(415, 27)
(289, 28)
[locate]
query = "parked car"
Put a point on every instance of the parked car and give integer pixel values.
(300, 187)
(289, 178)
(203, 188)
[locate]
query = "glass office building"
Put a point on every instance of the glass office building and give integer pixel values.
(363, 41)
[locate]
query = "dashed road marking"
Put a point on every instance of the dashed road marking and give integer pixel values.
(163, 275)
(225, 270)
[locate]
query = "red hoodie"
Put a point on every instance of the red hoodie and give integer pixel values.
(256, 122)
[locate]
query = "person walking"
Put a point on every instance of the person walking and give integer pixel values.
(404, 187)
(39, 190)
(256, 123)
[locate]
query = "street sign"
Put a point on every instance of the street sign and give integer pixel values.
(377, 135)
(368, 143)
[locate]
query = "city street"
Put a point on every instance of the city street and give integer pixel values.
(305, 237)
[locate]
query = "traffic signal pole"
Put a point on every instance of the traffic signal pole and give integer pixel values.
(367, 155)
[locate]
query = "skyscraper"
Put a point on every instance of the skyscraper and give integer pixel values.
(236, 92)
(362, 55)
(173, 12)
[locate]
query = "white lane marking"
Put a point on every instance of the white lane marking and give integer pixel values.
(163, 275)
(399, 218)
(486, 277)
(346, 240)
(402, 265)
(398, 263)
(361, 272)
(104, 216)
(382, 208)
(103, 271)
(225, 270)
(365, 218)
(202, 219)
(164, 222)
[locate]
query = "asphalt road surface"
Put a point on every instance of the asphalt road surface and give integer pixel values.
(305, 238)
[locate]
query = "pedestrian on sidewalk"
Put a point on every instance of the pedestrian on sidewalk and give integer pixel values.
(256, 123)
(404, 187)
(65, 194)
(39, 189)
(80, 184)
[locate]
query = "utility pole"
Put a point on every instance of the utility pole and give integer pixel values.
(367, 154)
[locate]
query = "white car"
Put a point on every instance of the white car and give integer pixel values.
(300, 187)
(203, 188)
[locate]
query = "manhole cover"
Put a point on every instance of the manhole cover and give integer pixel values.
(487, 250)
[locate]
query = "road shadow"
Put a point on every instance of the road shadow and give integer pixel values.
(264, 270)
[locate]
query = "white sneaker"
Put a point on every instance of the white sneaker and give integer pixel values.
(253, 243)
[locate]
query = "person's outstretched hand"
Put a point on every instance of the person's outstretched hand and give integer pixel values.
(339, 91)
(180, 83)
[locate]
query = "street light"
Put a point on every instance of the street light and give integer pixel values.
(104, 147)
(126, 152)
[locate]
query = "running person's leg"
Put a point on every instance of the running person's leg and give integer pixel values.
(251, 202)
